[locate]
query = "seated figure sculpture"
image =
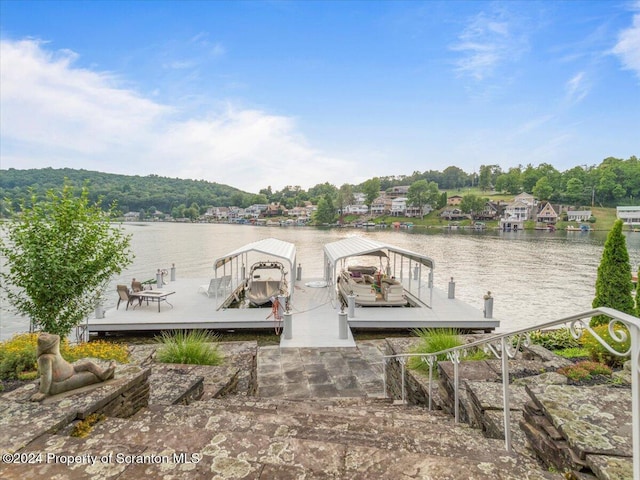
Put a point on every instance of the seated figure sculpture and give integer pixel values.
(57, 375)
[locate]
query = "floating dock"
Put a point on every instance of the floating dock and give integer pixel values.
(314, 315)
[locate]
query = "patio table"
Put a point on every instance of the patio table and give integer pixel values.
(155, 296)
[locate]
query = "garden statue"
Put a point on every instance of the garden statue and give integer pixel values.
(57, 375)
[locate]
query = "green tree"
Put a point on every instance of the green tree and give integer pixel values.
(613, 283)
(326, 212)
(484, 180)
(345, 197)
(371, 189)
(472, 204)
(510, 182)
(542, 189)
(575, 192)
(60, 253)
(422, 193)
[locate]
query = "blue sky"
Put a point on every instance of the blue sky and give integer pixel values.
(276, 93)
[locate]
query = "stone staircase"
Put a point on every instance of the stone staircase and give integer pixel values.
(288, 431)
(281, 439)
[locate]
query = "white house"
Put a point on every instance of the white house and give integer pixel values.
(398, 206)
(578, 215)
(356, 210)
(518, 210)
(629, 215)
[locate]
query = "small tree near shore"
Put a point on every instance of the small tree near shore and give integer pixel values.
(613, 283)
(60, 253)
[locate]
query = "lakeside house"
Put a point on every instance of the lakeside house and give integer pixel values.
(629, 215)
(578, 215)
(547, 214)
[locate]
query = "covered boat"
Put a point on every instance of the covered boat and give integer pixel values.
(270, 261)
(380, 285)
(266, 281)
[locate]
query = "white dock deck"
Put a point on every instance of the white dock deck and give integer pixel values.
(314, 315)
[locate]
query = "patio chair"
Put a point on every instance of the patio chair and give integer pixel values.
(125, 295)
(216, 286)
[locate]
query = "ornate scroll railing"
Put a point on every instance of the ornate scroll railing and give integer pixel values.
(506, 346)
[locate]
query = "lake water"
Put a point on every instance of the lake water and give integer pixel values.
(534, 276)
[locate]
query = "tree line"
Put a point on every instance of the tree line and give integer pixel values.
(613, 182)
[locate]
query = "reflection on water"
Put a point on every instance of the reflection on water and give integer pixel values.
(533, 276)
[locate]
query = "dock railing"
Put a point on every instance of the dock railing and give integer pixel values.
(506, 346)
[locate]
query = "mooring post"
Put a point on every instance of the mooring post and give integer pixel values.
(287, 328)
(452, 288)
(282, 306)
(343, 325)
(351, 305)
(488, 305)
(173, 272)
(159, 279)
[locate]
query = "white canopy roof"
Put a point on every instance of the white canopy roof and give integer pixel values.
(269, 246)
(355, 246)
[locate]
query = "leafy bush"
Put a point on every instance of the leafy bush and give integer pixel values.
(18, 354)
(599, 353)
(95, 349)
(558, 339)
(197, 347)
(573, 352)
(584, 371)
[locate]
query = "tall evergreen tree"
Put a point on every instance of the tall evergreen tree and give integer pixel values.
(613, 283)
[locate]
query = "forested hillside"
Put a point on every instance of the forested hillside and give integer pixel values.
(613, 182)
(132, 193)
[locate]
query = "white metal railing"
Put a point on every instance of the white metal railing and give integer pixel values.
(505, 346)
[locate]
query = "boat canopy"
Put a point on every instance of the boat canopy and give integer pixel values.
(268, 249)
(358, 246)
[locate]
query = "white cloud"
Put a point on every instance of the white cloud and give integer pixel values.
(53, 114)
(488, 41)
(577, 88)
(628, 46)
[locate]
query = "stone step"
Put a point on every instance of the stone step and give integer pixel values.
(429, 437)
(233, 455)
(440, 438)
(354, 406)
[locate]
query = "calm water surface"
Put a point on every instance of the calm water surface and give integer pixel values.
(534, 276)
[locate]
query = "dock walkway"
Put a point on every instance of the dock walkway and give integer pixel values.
(314, 315)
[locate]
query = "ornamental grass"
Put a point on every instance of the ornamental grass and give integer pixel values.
(196, 347)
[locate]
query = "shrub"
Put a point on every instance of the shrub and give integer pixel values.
(18, 354)
(573, 352)
(583, 371)
(599, 353)
(558, 339)
(197, 347)
(95, 349)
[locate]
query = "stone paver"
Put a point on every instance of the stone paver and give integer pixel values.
(320, 372)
